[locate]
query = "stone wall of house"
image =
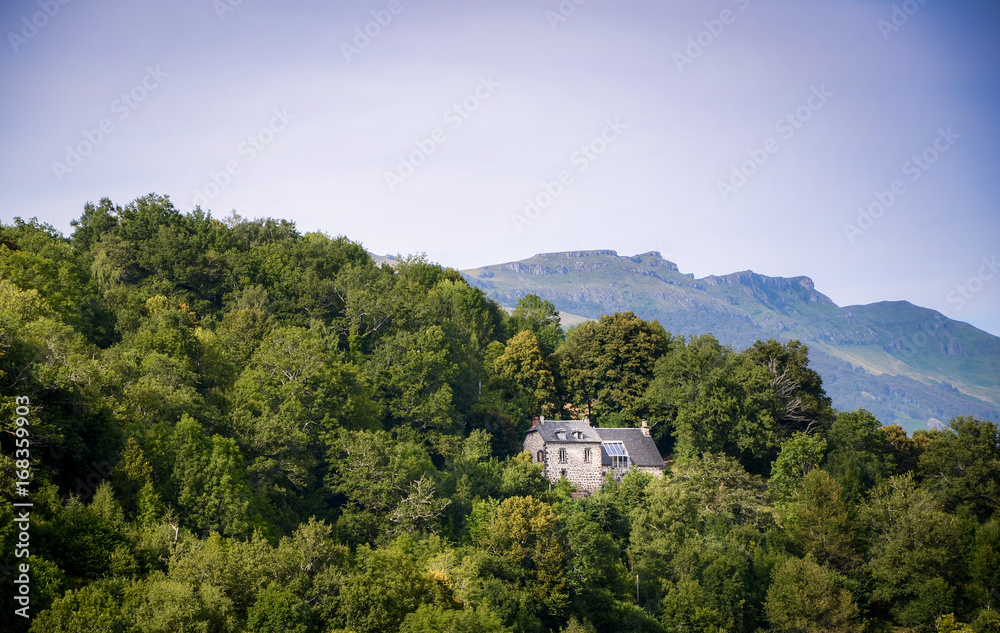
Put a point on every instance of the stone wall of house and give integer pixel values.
(534, 443)
(584, 475)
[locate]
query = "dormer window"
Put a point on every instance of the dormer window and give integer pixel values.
(560, 434)
(578, 434)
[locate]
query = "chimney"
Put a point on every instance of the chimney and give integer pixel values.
(534, 423)
(645, 428)
(541, 420)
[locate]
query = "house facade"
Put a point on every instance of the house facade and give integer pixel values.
(584, 454)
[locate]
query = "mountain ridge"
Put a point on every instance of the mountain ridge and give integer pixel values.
(917, 364)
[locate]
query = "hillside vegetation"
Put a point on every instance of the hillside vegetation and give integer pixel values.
(907, 364)
(232, 426)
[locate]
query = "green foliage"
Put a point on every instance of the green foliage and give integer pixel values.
(209, 481)
(278, 609)
(914, 548)
(411, 374)
(432, 618)
(166, 606)
(963, 465)
(94, 608)
(534, 314)
(861, 456)
(521, 373)
(820, 522)
(373, 472)
(238, 427)
(799, 455)
(524, 540)
(804, 598)
(385, 586)
(606, 366)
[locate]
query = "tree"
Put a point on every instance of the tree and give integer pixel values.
(524, 537)
(803, 598)
(594, 570)
(821, 524)
(433, 618)
(913, 551)
(209, 481)
(295, 392)
(803, 404)
(372, 473)
(521, 373)
(278, 609)
(983, 563)
(860, 456)
(93, 608)
(799, 455)
(607, 366)
(948, 624)
(168, 606)
(420, 510)
(410, 375)
(400, 588)
(963, 465)
(714, 401)
(534, 314)
(905, 450)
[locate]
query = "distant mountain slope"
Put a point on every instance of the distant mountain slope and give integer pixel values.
(909, 365)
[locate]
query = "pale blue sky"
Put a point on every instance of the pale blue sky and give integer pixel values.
(676, 120)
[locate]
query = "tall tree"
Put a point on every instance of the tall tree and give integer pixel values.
(540, 317)
(963, 465)
(607, 366)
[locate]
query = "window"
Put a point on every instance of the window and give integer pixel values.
(541, 456)
(586, 455)
(616, 451)
(562, 455)
(562, 473)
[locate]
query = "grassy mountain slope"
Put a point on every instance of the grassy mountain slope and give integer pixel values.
(909, 365)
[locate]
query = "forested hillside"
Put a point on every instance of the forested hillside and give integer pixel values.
(234, 427)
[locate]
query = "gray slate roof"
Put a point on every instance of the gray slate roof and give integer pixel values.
(641, 449)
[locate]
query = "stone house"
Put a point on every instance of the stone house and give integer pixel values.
(584, 454)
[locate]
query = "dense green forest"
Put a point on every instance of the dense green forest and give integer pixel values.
(238, 427)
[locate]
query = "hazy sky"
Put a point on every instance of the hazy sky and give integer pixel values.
(728, 135)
